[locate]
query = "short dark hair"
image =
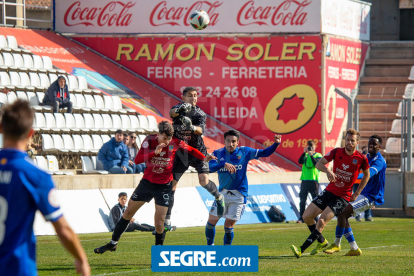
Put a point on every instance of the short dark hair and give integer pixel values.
(352, 131)
(17, 120)
(189, 89)
(166, 128)
(311, 143)
(122, 194)
(232, 132)
(119, 131)
(376, 137)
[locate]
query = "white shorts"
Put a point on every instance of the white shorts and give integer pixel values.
(235, 203)
(361, 204)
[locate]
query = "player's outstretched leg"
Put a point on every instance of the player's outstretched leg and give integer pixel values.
(160, 212)
(212, 189)
(210, 233)
(120, 228)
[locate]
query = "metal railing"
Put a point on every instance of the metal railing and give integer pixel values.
(24, 18)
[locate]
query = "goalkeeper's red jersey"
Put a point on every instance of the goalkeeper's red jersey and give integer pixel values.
(160, 166)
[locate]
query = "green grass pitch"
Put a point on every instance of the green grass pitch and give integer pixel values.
(387, 246)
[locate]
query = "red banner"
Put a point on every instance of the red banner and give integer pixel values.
(343, 65)
(258, 85)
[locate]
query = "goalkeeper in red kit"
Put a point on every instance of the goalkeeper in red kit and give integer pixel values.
(158, 152)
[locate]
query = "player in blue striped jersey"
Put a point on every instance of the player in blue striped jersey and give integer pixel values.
(24, 189)
(371, 195)
(231, 166)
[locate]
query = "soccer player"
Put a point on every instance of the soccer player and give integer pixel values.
(231, 166)
(159, 152)
(24, 189)
(347, 163)
(371, 195)
(189, 122)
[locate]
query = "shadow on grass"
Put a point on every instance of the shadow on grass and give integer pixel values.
(100, 266)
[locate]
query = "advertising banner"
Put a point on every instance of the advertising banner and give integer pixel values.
(172, 16)
(346, 18)
(113, 80)
(257, 85)
(260, 198)
(343, 62)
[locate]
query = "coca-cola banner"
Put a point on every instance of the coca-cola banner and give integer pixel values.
(343, 62)
(258, 85)
(172, 16)
(346, 18)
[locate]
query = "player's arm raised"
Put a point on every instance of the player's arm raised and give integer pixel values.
(321, 165)
(180, 109)
(361, 186)
(71, 242)
(267, 151)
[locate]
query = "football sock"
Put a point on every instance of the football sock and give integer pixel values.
(120, 228)
(228, 236)
(170, 206)
(350, 237)
(159, 238)
(210, 233)
(321, 238)
(339, 232)
(312, 237)
(212, 189)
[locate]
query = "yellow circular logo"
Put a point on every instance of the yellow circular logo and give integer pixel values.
(291, 109)
(330, 122)
(3, 161)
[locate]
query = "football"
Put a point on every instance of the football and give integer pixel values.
(199, 20)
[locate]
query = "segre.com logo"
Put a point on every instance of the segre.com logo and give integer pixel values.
(203, 258)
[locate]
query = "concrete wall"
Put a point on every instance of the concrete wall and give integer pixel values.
(409, 189)
(385, 19)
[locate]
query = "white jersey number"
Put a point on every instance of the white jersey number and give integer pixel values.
(3, 216)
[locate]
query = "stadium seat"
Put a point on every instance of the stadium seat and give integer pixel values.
(61, 123)
(51, 122)
(408, 88)
(35, 81)
(38, 64)
(3, 98)
(18, 62)
(58, 143)
(90, 122)
(47, 64)
(143, 123)
(109, 104)
(90, 103)
(97, 164)
(105, 138)
(34, 102)
(42, 164)
(396, 127)
(12, 42)
(80, 122)
(87, 166)
(28, 63)
(52, 78)
(40, 123)
(78, 143)
(411, 77)
(48, 145)
(152, 123)
(25, 82)
(15, 80)
(73, 84)
(99, 124)
(108, 125)
(99, 103)
(9, 61)
(117, 122)
(393, 145)
(11, 97)
(70, 122)
(97, 142)
(126, 123)
(135, 124)
(4, 46)
(54, 166)
(21, 96)
(44, 80)
(83, 85)
(88, 144)
(5, 81)
(80, 103)
(118, 105)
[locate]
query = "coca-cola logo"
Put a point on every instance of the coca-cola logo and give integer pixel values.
(289, 12)
(163, 15)
(114, 13)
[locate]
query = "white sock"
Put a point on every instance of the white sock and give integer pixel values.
(338, 241)
(353, 245)
(114, 242)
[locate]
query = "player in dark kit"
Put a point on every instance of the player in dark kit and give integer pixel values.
(159, 152)
(189, 122)
(336, 196)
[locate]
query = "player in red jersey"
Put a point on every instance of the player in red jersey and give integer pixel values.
(347, 162)
(159, 152)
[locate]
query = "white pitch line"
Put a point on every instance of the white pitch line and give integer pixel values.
(122, 272)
